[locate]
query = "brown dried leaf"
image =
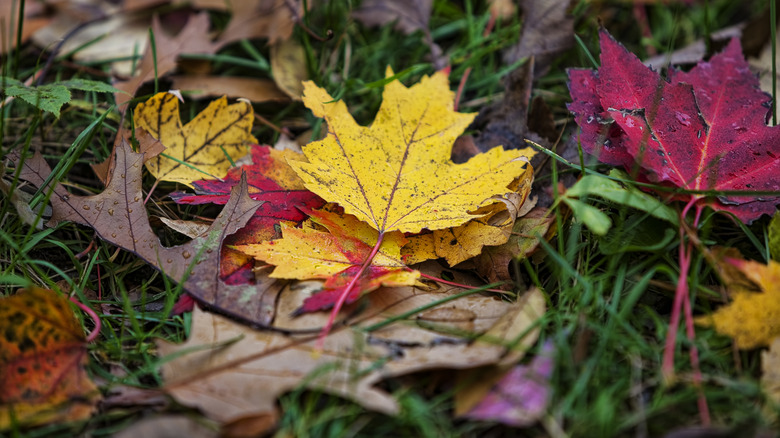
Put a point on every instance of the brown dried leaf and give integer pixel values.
(493, 228)
(409, 16)
(147, 145)
(256, 90)
(106, 31)
(168, 426)
(119, 216)
(548, 30)
(34, 19)
(247, 370)
(770, 371)
(271, 19)
(194, 38)
(288, 65)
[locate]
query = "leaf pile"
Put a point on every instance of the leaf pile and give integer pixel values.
(396, 198)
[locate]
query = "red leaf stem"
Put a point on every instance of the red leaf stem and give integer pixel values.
(345, 293)
(95, 318)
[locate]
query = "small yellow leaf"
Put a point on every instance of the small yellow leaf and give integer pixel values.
(752, 318)
(397, 173)
(288, 65)
(206, 147)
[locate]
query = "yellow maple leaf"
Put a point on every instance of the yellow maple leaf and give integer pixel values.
(752, 319)
(206, 147)
(397, 174)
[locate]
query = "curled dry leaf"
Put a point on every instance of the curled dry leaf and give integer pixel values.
(493, 263)
(270, 19)
(253, 89)
(119, 217)
(770, 369)
(43, 354)
(106, 31)
(288, 66)
(168, 426)
(35, 18)
(493, 228)
(206, 146)
(548, 30)
(246, 370)
(409, 16)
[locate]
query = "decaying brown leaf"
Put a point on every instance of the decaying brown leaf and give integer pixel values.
(253, 89)
(34, 19)
(94, 31)
(168, 426)
(271, 19)
(548, 30)
(409, 16)
(193, 38)
(493, 263)
(149, 146)
(246, 370)
(770, 367)
(119, 216)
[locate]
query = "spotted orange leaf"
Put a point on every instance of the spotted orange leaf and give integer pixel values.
(43, 353)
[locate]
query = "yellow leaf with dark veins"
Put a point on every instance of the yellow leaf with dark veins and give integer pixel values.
(206, 147)
(397, 173)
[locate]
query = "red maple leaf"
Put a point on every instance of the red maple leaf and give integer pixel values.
(701, 130)
(271, 180)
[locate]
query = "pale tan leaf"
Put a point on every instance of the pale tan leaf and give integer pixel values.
(243, 371)
(253, 89)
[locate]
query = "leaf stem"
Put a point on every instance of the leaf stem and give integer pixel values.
(682, 303)
(343, 297)
(95, 318)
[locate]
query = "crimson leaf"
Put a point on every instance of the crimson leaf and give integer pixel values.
(270, 179)
(701, 130)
